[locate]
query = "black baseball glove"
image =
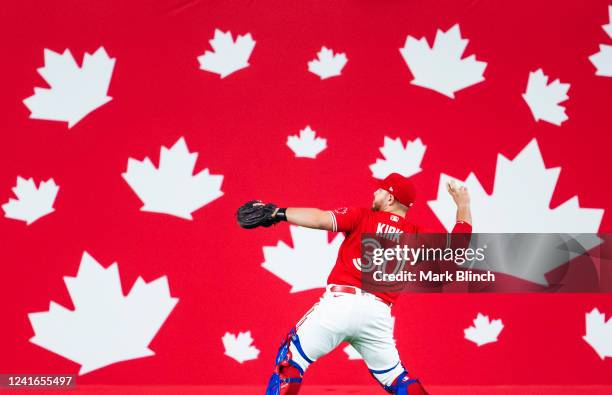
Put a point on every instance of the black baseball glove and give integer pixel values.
(255, 213)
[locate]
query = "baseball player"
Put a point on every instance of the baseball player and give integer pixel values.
(345, 312)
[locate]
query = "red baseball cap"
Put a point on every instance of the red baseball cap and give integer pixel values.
(400, 187)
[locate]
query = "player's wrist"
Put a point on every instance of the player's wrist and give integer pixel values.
(280, 214)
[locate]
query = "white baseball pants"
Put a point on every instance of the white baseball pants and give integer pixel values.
(361, 320)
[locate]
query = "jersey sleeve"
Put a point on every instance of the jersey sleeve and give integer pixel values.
(460, 236)
(346, 219)
(462, 227)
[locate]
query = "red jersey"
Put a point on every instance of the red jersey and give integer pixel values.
(356, 221)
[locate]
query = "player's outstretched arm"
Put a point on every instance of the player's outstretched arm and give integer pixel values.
(309, 217)
(255, 213)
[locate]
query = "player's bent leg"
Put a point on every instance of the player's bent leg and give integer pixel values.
(291, 363)
(374, 341)
(317, 333)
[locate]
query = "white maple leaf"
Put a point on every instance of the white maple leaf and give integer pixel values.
(608, 28)
(239, 347)
(399, 159)
(483, 331)
(599, 333)
(31, 203)
(229, 55)
(75, 91)
(441, 67)
(306, 265)
(543, 98)
(172, 188)
(105, 327)
(327, 65)
(602, 60)
(520, 200)
(306, 145)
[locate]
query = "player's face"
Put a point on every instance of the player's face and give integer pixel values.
(380, 198)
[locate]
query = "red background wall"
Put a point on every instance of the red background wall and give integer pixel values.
(239, 126)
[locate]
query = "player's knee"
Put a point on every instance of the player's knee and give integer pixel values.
(290, 365)
(298, 356)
